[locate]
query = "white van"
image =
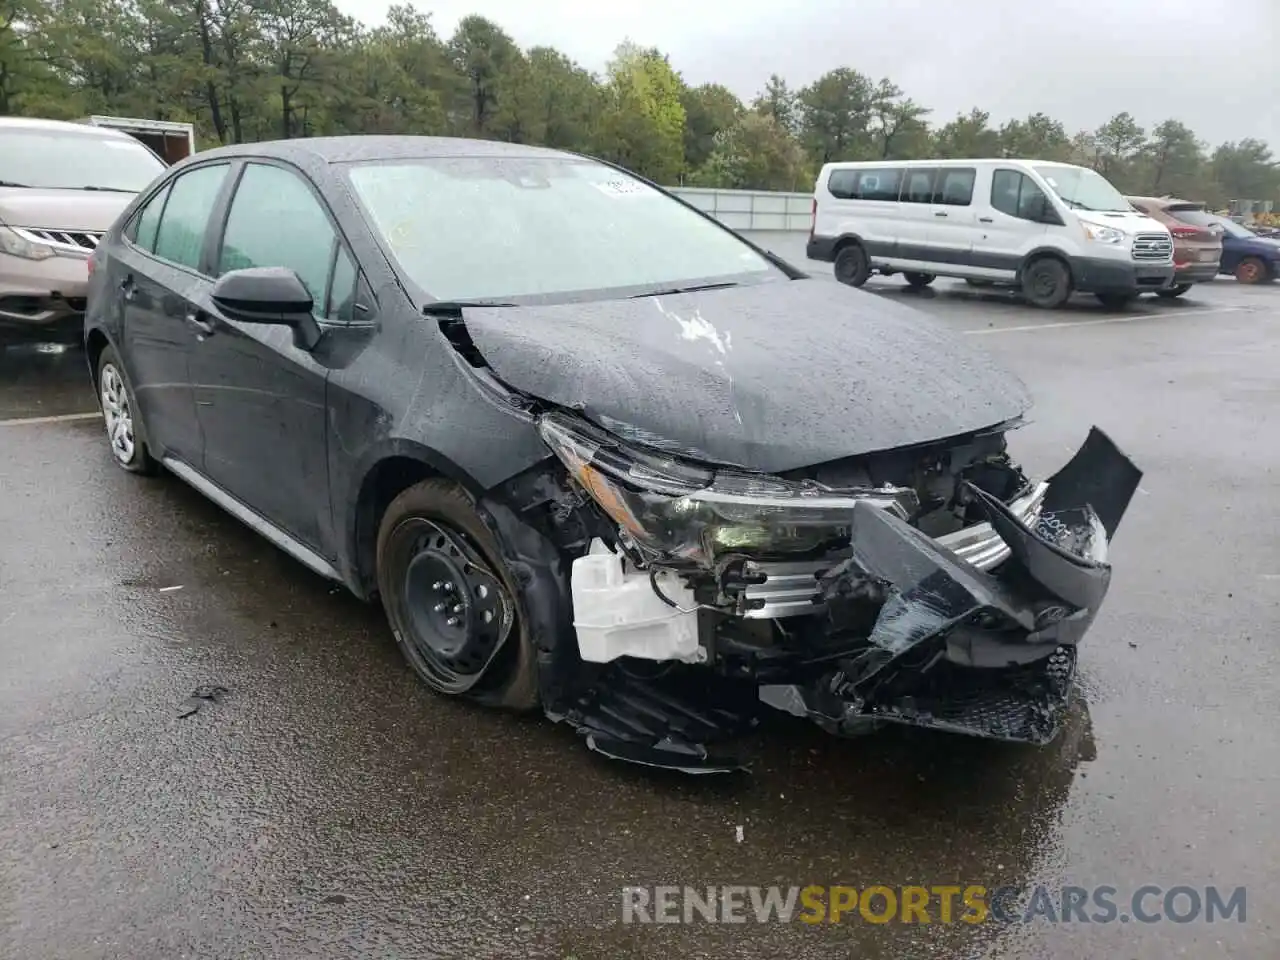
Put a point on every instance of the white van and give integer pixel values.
(1047, 228)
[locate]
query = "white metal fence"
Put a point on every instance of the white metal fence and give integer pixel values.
(752, 209)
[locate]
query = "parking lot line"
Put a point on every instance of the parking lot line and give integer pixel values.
(1093, 323)
(59, 418)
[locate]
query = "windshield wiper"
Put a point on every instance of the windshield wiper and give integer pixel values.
(10, 183)
(670, 291)
(107, 189)
(449, 307)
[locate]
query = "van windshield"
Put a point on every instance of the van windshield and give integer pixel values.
(1082, 189)
(75, 160)
(485, 228)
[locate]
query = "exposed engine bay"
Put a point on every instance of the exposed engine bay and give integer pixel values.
(937, 586)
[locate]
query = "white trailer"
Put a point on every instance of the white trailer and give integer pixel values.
(170, 139)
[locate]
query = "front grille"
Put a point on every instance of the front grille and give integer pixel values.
(77, 240)
(1152, 246)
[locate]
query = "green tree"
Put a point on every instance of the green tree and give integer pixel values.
(836, 111)
(1246, 171)
(708, 110)
(1038, 137)
(1173, 159)
(898, 124)
(967, 136)
(642, 124)
(563, 102)
(780, 102)
(756, 153)
(1117, 144)
(489, 59)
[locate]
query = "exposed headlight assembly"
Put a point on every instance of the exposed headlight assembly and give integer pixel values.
(691, 512)
(1103, 234)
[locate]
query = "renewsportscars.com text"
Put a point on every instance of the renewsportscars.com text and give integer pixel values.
(944, 903)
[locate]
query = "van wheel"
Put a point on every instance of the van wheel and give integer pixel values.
(452, 604)
(1252, 270)
(852, 266)
(1046, 283)
(1116, 301)
(1172, 292)
(919, 279)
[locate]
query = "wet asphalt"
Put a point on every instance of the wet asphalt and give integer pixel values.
(325, 805)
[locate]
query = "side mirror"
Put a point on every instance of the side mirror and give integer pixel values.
(272, 295)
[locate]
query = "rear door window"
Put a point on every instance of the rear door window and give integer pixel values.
(917, 187)
(277, 221)
(192, 197)
(954, 186)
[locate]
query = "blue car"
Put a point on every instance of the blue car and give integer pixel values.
(1248, 257)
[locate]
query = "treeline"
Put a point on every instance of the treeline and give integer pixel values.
(257, 69)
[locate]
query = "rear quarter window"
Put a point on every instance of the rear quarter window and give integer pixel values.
(865, 184)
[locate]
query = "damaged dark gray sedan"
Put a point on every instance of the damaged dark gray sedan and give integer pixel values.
(594, 452)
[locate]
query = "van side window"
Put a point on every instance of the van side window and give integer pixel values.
(1017, 195)
(918, 185)
(841, 183)
(954, 186)
(879, 184)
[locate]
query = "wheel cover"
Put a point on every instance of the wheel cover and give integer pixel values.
(456, 613)
(117, 413)
(1043, 283)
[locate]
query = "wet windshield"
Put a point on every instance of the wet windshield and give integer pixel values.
(485, 228)
(1082, 189)
(76, 160)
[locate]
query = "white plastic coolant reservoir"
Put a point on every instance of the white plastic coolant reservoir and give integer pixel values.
(617, 614)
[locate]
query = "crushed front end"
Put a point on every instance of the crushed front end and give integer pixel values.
(935, 586)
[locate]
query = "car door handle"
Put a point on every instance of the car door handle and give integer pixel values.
(197, 319)
(128, 289)
(985, 220)
(939, 213)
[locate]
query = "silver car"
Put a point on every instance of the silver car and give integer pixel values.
(62, 185)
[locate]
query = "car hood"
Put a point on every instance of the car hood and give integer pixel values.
(1130, 221)
(769, 377)
(80, 210)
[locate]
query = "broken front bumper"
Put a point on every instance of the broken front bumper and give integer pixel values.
(976, 634)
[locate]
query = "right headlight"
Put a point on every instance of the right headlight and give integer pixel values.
(17, 245)
(688, 511)
(1103, 234)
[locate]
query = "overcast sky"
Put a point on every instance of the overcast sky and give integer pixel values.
(1214, 64)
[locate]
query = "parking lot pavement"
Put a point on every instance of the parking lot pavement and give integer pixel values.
(326, 805)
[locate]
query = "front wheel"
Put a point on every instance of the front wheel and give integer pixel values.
(1172, 292)
(919, 280)
(452, 604)
(1252, 270)
(120, 416)
(852, 265)
(1046, 283)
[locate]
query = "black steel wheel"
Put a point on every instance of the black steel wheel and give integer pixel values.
(451, 603)
(1046, 283)
(852, 266)
(919, 279)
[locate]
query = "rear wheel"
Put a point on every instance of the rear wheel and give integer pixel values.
(1046, 283)
(1116, 301)
(120, 417)
(1172, 292)
(852, 266)
(451, 602)
(1252, 270)
(919, 279)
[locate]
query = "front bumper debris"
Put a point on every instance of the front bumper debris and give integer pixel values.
(977, 638)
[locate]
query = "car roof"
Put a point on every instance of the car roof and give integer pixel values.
(61, 126)
(374, 147)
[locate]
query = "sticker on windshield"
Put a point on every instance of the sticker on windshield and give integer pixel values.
(619, 188)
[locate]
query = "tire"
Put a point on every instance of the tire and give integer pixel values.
(126, 435)
(1046, 283)
(852, 267)
(1116, 301)
(919, 280)
(1173, 292)
(1252, 270)
(430, 537)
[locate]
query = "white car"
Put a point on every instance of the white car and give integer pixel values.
(1050, 229)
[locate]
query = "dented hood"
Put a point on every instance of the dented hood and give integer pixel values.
(770, 377)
